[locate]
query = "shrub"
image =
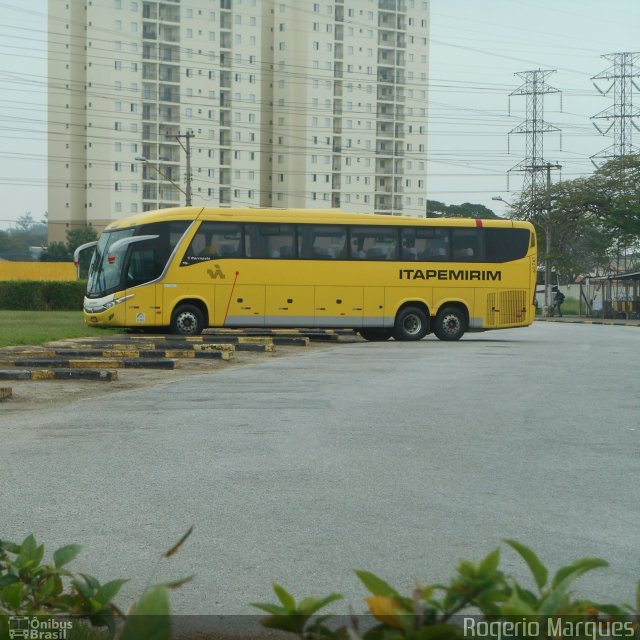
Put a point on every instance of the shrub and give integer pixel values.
(31, 589)
(31, 295)
(481, 593)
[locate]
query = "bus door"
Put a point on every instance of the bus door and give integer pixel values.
(338, 306)
(142, 266)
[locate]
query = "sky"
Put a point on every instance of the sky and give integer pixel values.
(476, 48)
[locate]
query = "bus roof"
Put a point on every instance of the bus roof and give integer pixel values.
(251, 214)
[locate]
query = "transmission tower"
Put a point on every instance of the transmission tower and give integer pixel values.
(535, 168)
(622, 116)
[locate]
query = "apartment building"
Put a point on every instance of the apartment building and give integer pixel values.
(288, 103)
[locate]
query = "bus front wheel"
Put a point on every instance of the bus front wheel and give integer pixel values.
(187, 320)
(411, 324)
(450, 324)
(375, 335)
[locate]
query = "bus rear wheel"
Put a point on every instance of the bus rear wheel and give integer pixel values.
(375, 335)
(411, 324)
(187, 320)
(450, 324)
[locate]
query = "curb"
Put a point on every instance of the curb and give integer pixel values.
(606, 321)
(58, 374)
(126, 363)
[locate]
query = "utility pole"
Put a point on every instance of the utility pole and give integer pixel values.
(187, 150)
(547, 237)
(535, 87)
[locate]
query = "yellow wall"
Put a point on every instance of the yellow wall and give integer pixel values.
(37, 271)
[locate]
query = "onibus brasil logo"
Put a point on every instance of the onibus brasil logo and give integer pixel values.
(38, 628)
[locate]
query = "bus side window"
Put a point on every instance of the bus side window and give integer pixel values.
(215, 240)
(322, 242)
(437, 246)
(466, 245)
(270, 240)
(377, 243)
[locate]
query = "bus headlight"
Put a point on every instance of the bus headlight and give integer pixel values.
(99, 306)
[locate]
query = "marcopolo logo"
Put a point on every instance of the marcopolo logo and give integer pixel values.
(39, 628)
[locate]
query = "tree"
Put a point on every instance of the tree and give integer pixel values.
(437, 209)
(63, 252)
(56, 252)
(589, 218)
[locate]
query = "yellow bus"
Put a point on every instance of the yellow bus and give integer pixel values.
(190, 268)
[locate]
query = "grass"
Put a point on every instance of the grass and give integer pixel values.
(36, 327)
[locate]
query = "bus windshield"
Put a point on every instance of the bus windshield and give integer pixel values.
(105, 274)
(131, 257)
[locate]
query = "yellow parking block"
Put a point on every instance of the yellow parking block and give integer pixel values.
(214, 347)
(88, 363)
(44, 374)
(255, 340)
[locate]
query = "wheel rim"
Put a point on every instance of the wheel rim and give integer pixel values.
(187, 322)
(451, 324)
(412, 324)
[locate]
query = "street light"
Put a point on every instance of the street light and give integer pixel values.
(186, 193)
(501, 199)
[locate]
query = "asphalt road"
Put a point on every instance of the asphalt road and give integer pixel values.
(395, 457)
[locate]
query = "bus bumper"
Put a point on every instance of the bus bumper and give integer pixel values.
(104, 312)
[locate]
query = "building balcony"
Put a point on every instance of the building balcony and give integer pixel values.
(168, 74)
(149, 11)
(169, 14)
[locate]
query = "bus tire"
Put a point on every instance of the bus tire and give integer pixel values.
(411, 324)
(187, 320)
(450, 324)
(375, 335)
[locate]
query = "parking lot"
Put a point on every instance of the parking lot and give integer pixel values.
(400, 458)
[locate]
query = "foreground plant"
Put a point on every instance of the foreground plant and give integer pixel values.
(480, 600)
(29, 588)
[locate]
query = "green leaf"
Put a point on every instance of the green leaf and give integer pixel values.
(311, 605)
(489, 565)
(48, 588)
(150, 618)
(91, 581)
(82, 588)
(12, 595)
(514, 606)
(107, 592)
(287, 600)
(286, 622)
(28, 550)
(64, 555)
(11, 547)
(566, 575)
(377, 586)
(539, 571)
(8, 579)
